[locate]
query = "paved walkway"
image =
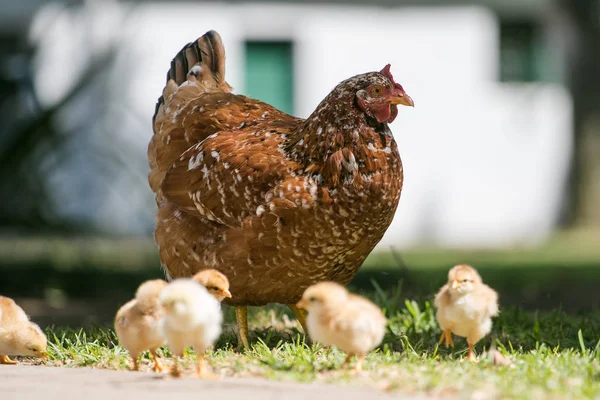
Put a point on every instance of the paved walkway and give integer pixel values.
(50, 383)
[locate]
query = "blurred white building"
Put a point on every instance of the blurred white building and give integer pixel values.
(485, 161)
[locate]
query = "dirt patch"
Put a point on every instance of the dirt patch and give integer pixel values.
(50, 383)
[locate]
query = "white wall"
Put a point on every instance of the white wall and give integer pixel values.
(485, 163)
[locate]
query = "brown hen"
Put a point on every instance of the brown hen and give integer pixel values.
(276, 203)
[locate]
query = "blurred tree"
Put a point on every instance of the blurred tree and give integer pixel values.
(31, 146)
(583, 20)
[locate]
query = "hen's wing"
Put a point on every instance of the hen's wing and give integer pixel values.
(197, 103)
(234, 174)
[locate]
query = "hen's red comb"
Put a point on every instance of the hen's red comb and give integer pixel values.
(386, 72)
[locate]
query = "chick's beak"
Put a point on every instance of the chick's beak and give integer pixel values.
(454, 284)
(44, 356)
(301, 304)
(400, 97)
(226, 293)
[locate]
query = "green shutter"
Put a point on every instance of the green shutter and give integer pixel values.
(269, 73)
(518, 51)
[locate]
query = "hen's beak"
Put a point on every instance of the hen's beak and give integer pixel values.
(301, 304)
(402, 99)
(226, 293)
(454, 284)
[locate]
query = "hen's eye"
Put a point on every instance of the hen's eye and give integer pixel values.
(376, 90)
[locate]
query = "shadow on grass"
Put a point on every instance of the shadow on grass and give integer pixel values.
(573, 288)
(91, 292)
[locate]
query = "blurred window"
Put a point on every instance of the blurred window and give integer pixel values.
(520, 52)
(269, 73)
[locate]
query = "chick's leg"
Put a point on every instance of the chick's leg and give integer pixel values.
(134, 358)
(347, 360)
(471, 354)
(359, 362)
(201, 370)
(241, 317)
(158, 367)
(447, 338)
(5, 360)
(175, 370)
(442, 337)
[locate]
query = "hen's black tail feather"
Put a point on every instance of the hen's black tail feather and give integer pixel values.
(208, 52)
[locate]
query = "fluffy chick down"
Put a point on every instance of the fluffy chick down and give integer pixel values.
(18, 335)
(192, 317)
(465, 307)
(215, 282)
(137, 322)
(336, 317)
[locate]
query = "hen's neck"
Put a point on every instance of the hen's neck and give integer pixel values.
(336, 139)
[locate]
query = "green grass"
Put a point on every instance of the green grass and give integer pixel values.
(564, 271)
(549, 324)
(555, 355)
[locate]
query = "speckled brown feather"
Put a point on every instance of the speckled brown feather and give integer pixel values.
(274, 202)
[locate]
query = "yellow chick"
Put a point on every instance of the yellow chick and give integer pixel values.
(137, 322)
(215, 282)
(192, 317)
(18, 335)
(465, 307)
(336, 317)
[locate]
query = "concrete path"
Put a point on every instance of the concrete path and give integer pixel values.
(50, 383)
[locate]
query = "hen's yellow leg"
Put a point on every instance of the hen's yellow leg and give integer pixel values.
(241, 317)
(158, 367)
(300, 316)
(5, 360)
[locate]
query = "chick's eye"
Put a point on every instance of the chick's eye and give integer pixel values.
(312, 299)
(465, 280)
